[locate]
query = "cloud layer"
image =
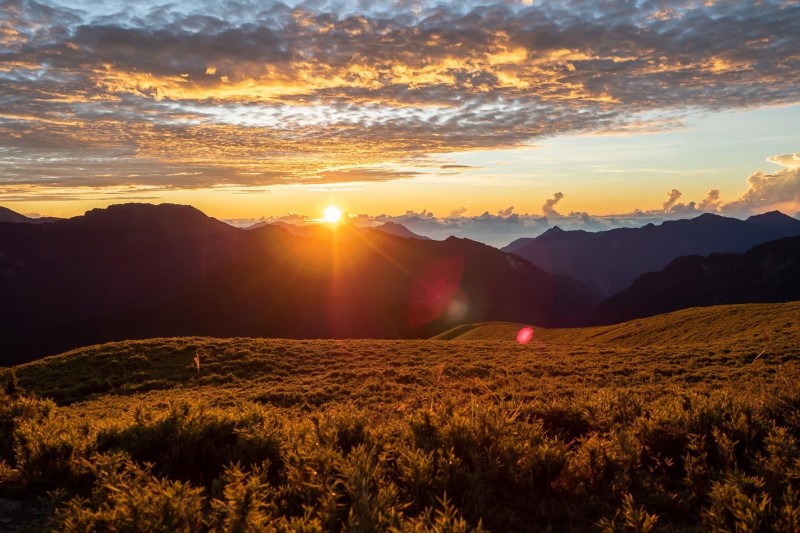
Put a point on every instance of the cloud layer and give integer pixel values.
(776, 191)
(199, 94)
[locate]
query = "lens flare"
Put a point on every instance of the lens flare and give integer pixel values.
(525, 335)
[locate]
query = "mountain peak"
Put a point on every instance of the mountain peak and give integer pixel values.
(171, 218)
(709, 216)
(393, 228)
(776, 221)
(770, 216)
(144, 209)
(555, 230)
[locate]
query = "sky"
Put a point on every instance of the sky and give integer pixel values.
(463, 114)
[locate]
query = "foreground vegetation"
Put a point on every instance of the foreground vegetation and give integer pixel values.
(625, 429)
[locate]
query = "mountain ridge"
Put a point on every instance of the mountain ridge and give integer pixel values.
(609, 261)
(8, 215)
(768, 272)
(138, 270)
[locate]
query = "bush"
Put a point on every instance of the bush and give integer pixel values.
(128, 497)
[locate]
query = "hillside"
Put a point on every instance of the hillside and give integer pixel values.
(609, 261)
(137, 271)
(414, 435)
(724, 325)
(7, 215)
(769, 272)
(312, 366)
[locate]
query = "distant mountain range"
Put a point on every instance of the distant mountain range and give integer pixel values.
(609, 261)
(7, 215)
(345, 230)
(138, 270)
(769, 272)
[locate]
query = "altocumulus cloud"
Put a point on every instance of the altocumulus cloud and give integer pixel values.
(199, 94)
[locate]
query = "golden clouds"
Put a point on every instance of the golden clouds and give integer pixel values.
(267, 93)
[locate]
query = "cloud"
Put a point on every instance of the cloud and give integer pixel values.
(291, 218)
(360, 174)
(770, 191)
(674, 194)
(779, 190)
(498, 230)
(786, 161)
(711, 202)
(549, 205)
(264, 93)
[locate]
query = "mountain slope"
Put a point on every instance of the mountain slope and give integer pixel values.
(609, 261)
(393, 228)
(135, 271)
(727, 324)
(769, 272)
(7, 215)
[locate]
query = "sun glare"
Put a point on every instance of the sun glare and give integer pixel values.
(332, 214)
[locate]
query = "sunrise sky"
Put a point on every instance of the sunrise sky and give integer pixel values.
(408, 109)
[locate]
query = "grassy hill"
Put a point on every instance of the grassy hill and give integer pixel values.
(690, 421)
(720, 325)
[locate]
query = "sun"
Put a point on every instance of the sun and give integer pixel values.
(332, 214)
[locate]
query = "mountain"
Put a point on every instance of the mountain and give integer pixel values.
(776, 221)
(609, 261)
(7, 215)
(518, 244)
(769, 272)
(137, 270)
(351, 230)
(393, 228)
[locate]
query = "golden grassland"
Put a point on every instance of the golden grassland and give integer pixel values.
(686, 421)
(724, 324)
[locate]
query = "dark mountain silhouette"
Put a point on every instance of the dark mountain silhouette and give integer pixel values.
(137, 270)
(769, 272)
(315, 230)
(609, 261)
(776, 221)
(393, 228)
(7, 215)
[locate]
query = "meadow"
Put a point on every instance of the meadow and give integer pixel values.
(681, 422)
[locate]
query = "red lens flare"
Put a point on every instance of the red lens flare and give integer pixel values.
(435, 288)
(525, 335)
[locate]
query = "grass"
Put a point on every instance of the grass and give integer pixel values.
(725, 324)
(689, 421)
